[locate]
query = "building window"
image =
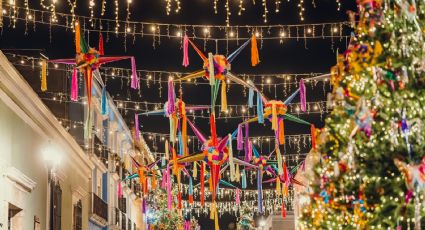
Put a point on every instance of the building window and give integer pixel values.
(78, 216)
(55, 206)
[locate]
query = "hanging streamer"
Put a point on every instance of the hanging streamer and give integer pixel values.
(202, 192)
(303, 98)
(74, 85)
(247, 142)
(77, 38)
(195, 170)
(255, 58)
(250, 98)
(171, 97)
(167, 152)
(169, 195)
(260, 191)
(283, 209)
(243, 179)
(231, 163)
(238, 197)
(238, 173)
(313, 136)
(274, 117)
(180, 142)
(223, 96)
(43, 75)
(136, 126)
(214, 215)
(190, 191)
(279, 160)
(134, 77)
(179, 200)
(249, 157)
(184, 126)
(213, 130)
(104, 102)
(211, 68)
(239, 138)
(281, 132)
(119, 188)
(260, 109)
(278, 187)
(185, 51)
(101, 49)
(164, 179)
(172, 130)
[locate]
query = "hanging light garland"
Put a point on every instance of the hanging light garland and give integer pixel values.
(214, 33)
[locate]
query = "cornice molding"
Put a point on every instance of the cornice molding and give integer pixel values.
(20, 179)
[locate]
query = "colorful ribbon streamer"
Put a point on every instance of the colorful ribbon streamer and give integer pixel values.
(104, 102)
(303, 98)
(134, 77)
(240, 138)
(185, 51)
(74, 85)
(260, 111)
(101, 49)
(43, 75)
(250, 98)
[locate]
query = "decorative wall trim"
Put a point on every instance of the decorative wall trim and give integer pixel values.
(20, 179)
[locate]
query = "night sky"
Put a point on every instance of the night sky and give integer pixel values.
(317, 55)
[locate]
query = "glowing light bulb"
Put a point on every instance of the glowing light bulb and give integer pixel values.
(268, 80)
(309, 30)
(179, 34)
(335, 29)
(231, 34)
(153, 28)
(257, 34)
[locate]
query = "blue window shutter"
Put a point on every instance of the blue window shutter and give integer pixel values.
(105, 187)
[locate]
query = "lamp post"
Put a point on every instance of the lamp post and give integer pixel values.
(262, 223)
(51, 156)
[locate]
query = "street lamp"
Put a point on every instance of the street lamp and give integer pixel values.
(262, 223)
(52, 157)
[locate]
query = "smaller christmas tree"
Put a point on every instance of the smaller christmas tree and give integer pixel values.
(159, 216)
(246, 221)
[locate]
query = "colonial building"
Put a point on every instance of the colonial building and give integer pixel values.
(52, 177)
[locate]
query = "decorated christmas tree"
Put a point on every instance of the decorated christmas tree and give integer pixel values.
(370, 165)
(159, 216)
(246, 220)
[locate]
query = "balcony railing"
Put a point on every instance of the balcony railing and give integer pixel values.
(99, 209)
(122, 204)
(123, 221)
(115, 219)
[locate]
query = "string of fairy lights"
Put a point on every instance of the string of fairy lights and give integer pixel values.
(139, 29)
(160, 76)
(157, 79)
(233, 111)
(170, 7)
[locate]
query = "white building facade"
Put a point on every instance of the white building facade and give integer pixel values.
(47, 180)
